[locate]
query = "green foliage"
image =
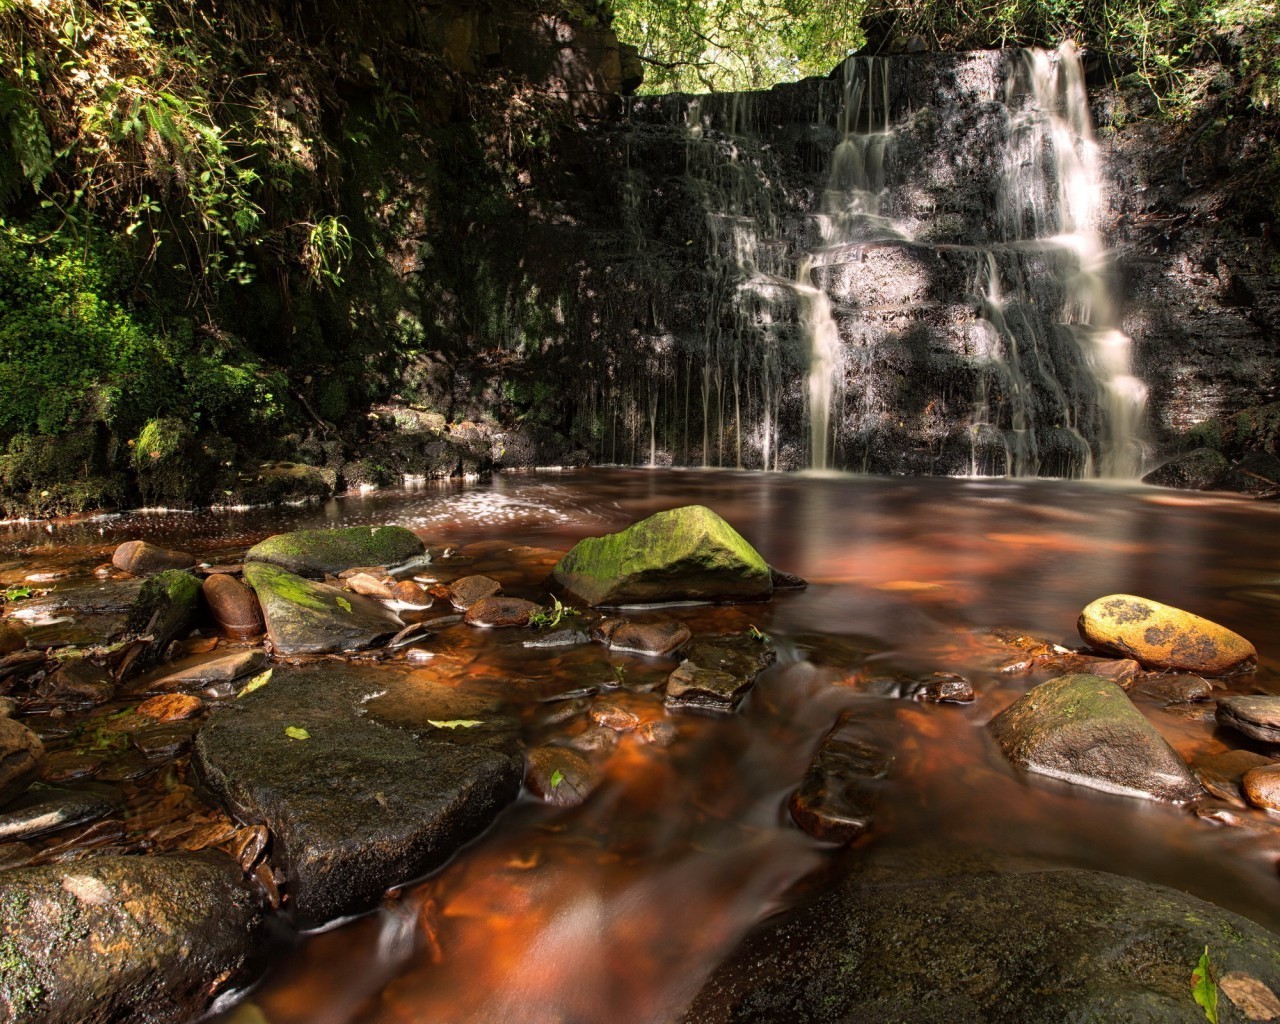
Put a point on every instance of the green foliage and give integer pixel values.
(550, 618)
(327, 250)
(557, 777)
(296, 732)
(1204, 988)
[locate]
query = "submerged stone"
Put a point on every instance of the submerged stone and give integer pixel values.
(357, 806)
(313, 553)
(304, 617)
(1085, 730)
(467, 591)
(1035, 948)
(837, 798)
(1162, 637)
(1257, 717)
(652, 638)
(21, 758)
(687, 553)
(563, 777)
(152, 939)
(501, 612)
(718, 673)
(47, 809)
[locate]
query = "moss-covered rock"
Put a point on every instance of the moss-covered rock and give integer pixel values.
(123, 938)
(687, 553)
(304, 617)
(165, 610)
(1084, 729)
(1200, 469)
(316, 552)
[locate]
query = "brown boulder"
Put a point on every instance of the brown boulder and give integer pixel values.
(494, 612)
(234, 606)
(559, 776)
(1262, 786)
(138, 558)
(11, 638)
(467, 591)
(21, 758)
(1162, 637)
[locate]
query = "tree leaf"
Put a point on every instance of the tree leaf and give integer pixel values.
(456, 723)
(256, 683)
(344, 603)
(296, 732)
(1204, 989)
(557, 777)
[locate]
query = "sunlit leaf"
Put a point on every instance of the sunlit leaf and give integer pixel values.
(256, 683)
(1204, 989)
(296, 732)
(455, 723)
(344, 604)
(557, 777)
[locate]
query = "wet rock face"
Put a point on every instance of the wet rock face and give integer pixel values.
(1083, 729)
(124, 938)
(139, 558)
(358, 806)
(165, 610)
(1162, 637)
(1199, 470)
(718, 673)
(1256, 717)
(234, 606)
(687, 553)
(21, 756)
(312, 553)
(304, 617)
(837, 799)
(1035, 948)
(467, 591)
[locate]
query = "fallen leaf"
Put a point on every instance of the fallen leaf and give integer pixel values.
(455, 723)
(1251, 996)
(296, 732)
(1203, 988)
(343, 603)
(557, 777)
(256, 683)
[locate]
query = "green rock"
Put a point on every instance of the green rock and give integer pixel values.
(165, 610)
(1041, 947)
(305, 617)
(315, 552)
(124, 938)
(1084, 729)
(687, 553)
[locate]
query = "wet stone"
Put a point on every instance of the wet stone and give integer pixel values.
(313, 618)
(1256, 717)
(559, 776)
(139, 558)
(312, 553)
(597, 740)
(467, 591)
(171, 707)
(234, 607)
(612, 716)
(1084, 730)
(130, 766)
(500, 612)
(1261, 786)
(164, 742)
(652, 638)
(369, 586)
(718, 673)
(78, 684)
(837, 798)
(70, 765)
(1162, 637)
(45, 809)
(165, 611)
(11, 638)
(657, 734)
(1121, 671)
(1221, 774)
(562, 711)
(8, 707)
(202, 669)
(559, 638)
(21, 759)
(410, 593)
(1176, 689)
(944, 688)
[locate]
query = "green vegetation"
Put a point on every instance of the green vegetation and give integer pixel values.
(1204, 988)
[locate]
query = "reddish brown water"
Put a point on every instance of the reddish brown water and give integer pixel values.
(617, 910)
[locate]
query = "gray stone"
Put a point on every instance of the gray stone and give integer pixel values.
(1037, 948)
(1257, 717)
(312, 553)
(152, 939)
(360, 805)
(1085, 730)
(304, 617)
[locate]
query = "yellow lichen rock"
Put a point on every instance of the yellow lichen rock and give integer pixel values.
(1162, 637)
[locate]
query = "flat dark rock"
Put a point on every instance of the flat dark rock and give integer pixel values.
(1256, 717)
(1037, 948)
(718, 673)
(837, 798)
(558, 638)
(151, 939)
(45, 809)
(359, 806)
(304, 617)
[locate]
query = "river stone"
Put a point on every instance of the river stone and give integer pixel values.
(171, 707)
(841, 788)
(1261, 786)
(467, 591)
(360, 806)
(1042, 947)
(1258, 717)
(233, 605)
(165, 611)
(1222, 774)
(46, 809)
(1200, 469)
(1162, 637)
(304, 617)
(687, 553)
(77, 684)
(138, 558)
(1174, 689)
(1085, 730)
(313, 553)
(562, 777)
(558, 638)
(21, 758)
(496, 612)
(200, 670)
(718, 672)
(652, 638)
(410, 593)
(151, 939)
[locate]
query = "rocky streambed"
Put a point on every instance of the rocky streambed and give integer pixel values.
(199, 756)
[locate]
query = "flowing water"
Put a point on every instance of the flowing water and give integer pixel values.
(617, 910)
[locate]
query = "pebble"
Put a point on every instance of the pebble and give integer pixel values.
(612, 716)
(657, 734)
(944, 688)
(408, 592)
(46, 809)
(1162, 637)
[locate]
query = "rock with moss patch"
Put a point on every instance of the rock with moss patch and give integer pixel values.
(1033, 948)
(139, 558)
(312, 553)
(151, 939)
(1160, 636)
(165, 610)
(1201, 469)
(684, 554)
(305, 617)
(1084, 729)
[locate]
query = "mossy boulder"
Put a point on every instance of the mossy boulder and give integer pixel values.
(165, 610)
(1200, 469)
(313, 553)
(151, 939)
(683, 554)
(305, 617)
(1162, 637)
(1041, 947)
(1084, 729)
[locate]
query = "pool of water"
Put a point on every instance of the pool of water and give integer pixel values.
(618, 909)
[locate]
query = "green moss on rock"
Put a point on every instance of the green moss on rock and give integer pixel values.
(316, 552)
(305, 617)
(686, 553)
